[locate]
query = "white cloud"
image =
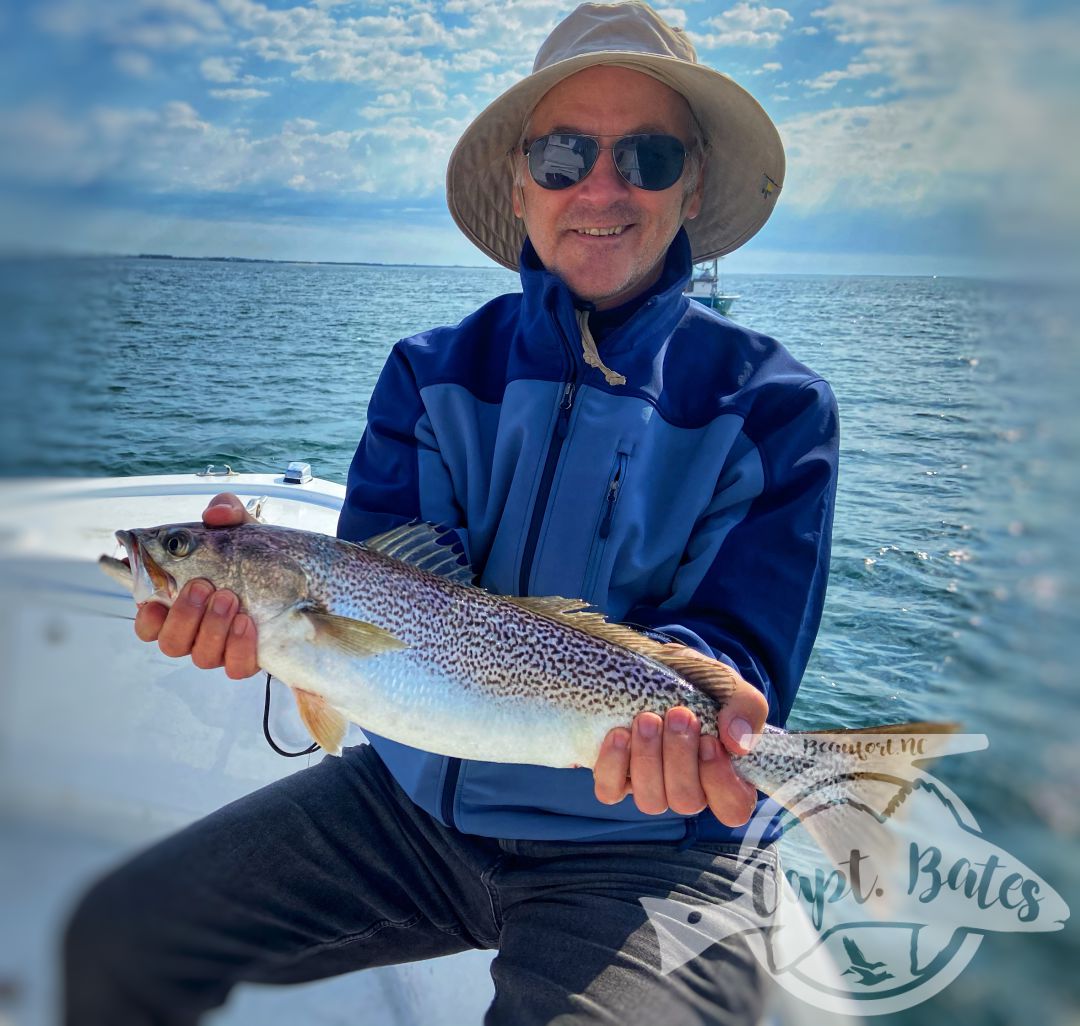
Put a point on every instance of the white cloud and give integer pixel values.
(767, 67)
(134, 63)
(745, 24)
(674, 16)
(174, 149)
(970, 118)
(145, 24)
(854, 70)
(244, 93)
(220, 69)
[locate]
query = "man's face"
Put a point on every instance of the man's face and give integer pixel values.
(609, 269)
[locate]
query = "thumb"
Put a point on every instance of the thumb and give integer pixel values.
(742, 718)
(226, 510)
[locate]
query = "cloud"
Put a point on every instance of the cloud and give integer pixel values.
(675, 16)
(745, 24)
(854, 70)
(768, 66)
(173, 149)
(144, 24)
(133, 63)
(238, 94)
(220, 69)
(969, 118)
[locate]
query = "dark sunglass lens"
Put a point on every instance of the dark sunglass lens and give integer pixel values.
(652, 162)
(559, 161)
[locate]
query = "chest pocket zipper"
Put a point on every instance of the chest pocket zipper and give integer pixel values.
(616, 484)
(611, 499)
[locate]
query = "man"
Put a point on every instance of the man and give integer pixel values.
(598, 436)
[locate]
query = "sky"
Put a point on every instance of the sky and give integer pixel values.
(922, 137)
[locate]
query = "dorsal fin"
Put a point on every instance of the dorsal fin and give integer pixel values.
(713, 678)
(422, 545)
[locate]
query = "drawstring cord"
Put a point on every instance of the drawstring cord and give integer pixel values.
(591, 356)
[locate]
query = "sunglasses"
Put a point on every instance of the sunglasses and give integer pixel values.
(560, 160)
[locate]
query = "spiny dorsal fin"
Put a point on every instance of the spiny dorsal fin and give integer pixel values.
(422, 545)
(354, 637)
(713, 678)
(325, 724)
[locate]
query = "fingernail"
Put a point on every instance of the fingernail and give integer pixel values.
(707, 749)
(647, 727)
(198, 593)
(239, 626)
(222, 604)
(741, 733)
(620, 741)
(678, 721)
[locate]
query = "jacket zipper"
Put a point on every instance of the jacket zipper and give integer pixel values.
(562, 428)
(558, 436)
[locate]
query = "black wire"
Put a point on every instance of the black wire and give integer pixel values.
(266, 730)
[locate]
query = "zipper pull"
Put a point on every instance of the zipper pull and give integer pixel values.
(567, 404)
(612, 495)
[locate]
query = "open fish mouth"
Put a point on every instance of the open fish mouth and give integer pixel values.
(149, 580)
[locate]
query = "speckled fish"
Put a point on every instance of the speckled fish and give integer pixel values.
(392, 635)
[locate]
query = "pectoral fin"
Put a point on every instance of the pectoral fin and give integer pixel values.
(325, 724)
(354, 637)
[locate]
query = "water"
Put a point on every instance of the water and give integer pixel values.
(954, 587)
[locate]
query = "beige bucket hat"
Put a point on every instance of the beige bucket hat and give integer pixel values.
(745, 167)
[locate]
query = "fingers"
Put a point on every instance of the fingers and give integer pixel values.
(731, 799)
(241, 659)
(148, 620)
(682, 731)
(226, 510)
(647, 764)
(670, 764)
(206, 625)
(611, 774)
(177, 635)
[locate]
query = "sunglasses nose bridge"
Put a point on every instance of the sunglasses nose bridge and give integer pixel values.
(604, 176)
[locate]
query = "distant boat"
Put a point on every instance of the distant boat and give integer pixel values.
(705, 287)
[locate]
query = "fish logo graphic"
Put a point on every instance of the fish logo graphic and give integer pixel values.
(886, 888)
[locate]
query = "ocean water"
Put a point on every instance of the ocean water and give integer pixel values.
(954, 585)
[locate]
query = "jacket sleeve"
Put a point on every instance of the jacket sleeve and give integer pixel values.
(757, 577)
(397, 473)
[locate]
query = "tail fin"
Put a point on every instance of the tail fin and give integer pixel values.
(845, 785)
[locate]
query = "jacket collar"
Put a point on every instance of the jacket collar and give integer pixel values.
(546, 295)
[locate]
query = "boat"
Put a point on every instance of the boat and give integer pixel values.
(107, 745)
(705, 287)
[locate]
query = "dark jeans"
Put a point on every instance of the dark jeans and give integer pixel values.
(335, 869)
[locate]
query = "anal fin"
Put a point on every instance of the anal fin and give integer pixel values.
(325, 724)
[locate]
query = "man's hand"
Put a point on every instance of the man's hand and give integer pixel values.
(202, 622)
(667, 764)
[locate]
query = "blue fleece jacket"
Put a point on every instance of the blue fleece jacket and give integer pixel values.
(695, 500)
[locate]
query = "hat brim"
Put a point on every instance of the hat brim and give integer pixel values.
(744, 171)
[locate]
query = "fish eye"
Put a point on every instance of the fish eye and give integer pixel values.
(178, 542)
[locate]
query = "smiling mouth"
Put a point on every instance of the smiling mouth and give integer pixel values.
(617, 229)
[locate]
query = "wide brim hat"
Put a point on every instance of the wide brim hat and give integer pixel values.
(744, 170)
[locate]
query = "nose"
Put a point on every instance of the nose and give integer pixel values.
(603, 184)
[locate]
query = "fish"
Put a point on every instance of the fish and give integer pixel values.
(394, 635)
